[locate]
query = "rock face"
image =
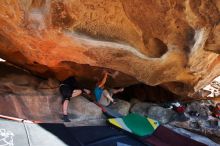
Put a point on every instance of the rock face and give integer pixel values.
(82, 109)
(154, 111)
(122, 107)
(24, 96)
(170, 43)
(198, 107)
(26, 102)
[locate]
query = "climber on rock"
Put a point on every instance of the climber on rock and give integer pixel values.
(103, 96)
(70, 88)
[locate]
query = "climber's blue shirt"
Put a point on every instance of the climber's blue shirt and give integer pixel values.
(98, 93)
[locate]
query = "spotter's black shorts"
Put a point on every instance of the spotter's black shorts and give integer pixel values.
(66, 92)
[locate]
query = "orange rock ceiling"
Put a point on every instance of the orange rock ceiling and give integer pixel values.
(172, 43)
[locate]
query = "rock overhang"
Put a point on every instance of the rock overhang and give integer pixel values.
(158, 44)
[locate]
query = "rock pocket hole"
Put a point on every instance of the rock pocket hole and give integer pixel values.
(156, 48)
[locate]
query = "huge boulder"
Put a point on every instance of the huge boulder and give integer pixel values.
(82, 109)
(121, 106)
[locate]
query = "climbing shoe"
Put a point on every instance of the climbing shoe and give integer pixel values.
(65, 118)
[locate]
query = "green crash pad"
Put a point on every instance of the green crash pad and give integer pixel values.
(136, 124)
